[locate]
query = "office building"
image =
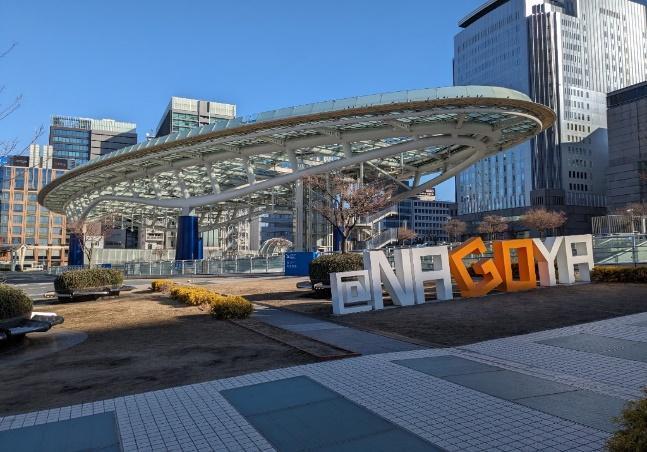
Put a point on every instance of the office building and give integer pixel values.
(277, 225)
(566, 54)
(120, 238)
(28, 229)
(627, 119)
(184, 114)
(81, 139)
(423, 215)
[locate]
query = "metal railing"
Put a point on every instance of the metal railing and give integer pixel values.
(627, 249)
(619, 225)
(382, 239)
(235, 265)
(610, 250)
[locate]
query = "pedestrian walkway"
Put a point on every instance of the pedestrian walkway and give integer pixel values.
(340, 336)
(550, 390)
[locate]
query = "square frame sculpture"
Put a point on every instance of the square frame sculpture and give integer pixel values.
(525, 260)
(351, 292)
(484, 267)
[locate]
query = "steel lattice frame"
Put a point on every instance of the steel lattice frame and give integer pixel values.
(235, 169)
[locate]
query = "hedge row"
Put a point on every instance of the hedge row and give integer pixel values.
(88, 278)
(323, 266)
(221, 306)
(619, 274)
(14, 302)
(162, 285)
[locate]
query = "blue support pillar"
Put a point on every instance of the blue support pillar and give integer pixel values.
(75, 252)
(188, 242)
(336, 239)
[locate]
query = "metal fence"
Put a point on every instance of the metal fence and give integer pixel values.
(234, 265)
(629, 249)
(619, 225)
(625, 249)
(248, 265)
(611, 250)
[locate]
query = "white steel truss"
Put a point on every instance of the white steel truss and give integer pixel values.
(225, 172)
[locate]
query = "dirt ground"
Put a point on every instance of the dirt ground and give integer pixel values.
(465, 321)
(136, 343)
(279, 291)
(461, 322)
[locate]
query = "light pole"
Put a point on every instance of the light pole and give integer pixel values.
(634, 256)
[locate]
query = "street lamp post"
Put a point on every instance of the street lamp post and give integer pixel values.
(634, 256)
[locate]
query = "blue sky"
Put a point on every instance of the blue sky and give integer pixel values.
(124, 59)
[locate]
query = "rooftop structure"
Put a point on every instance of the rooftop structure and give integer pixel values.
(248, 166)
(183, 114)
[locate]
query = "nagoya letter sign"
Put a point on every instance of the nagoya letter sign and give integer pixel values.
(360, 291)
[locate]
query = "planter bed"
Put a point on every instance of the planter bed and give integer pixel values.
(90, 293)
(36, 322)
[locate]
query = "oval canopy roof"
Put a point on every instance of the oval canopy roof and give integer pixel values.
(247, 166)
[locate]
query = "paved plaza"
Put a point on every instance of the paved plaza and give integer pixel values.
(552, 390)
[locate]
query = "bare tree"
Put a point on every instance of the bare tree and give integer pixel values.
(455, 228)
(542, 220)
(492, 225)
(89, 236)
(343, 202)
(158, 253)
(637, 209)
(405, 234)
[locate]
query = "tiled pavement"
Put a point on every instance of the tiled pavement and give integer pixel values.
(423, 401)
(349, 339)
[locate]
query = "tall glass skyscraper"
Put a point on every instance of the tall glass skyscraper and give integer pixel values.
(566, 54)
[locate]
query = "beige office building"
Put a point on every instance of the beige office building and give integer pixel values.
(29, 231)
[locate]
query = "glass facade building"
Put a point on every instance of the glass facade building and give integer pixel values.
(627, 175)
(81, 139)
(566, 54)
(423, 215)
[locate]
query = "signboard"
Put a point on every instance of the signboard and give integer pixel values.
(59, 164)
(361, 291)
(297, 263)
(19, 160)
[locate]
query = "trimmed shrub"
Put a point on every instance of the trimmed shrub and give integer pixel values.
(619, 274)
(89, 278)
(633, 433)
(162, 285)
(14, 302)
(194, 296)
(230, 307)
(221, 306)
(323, 266)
